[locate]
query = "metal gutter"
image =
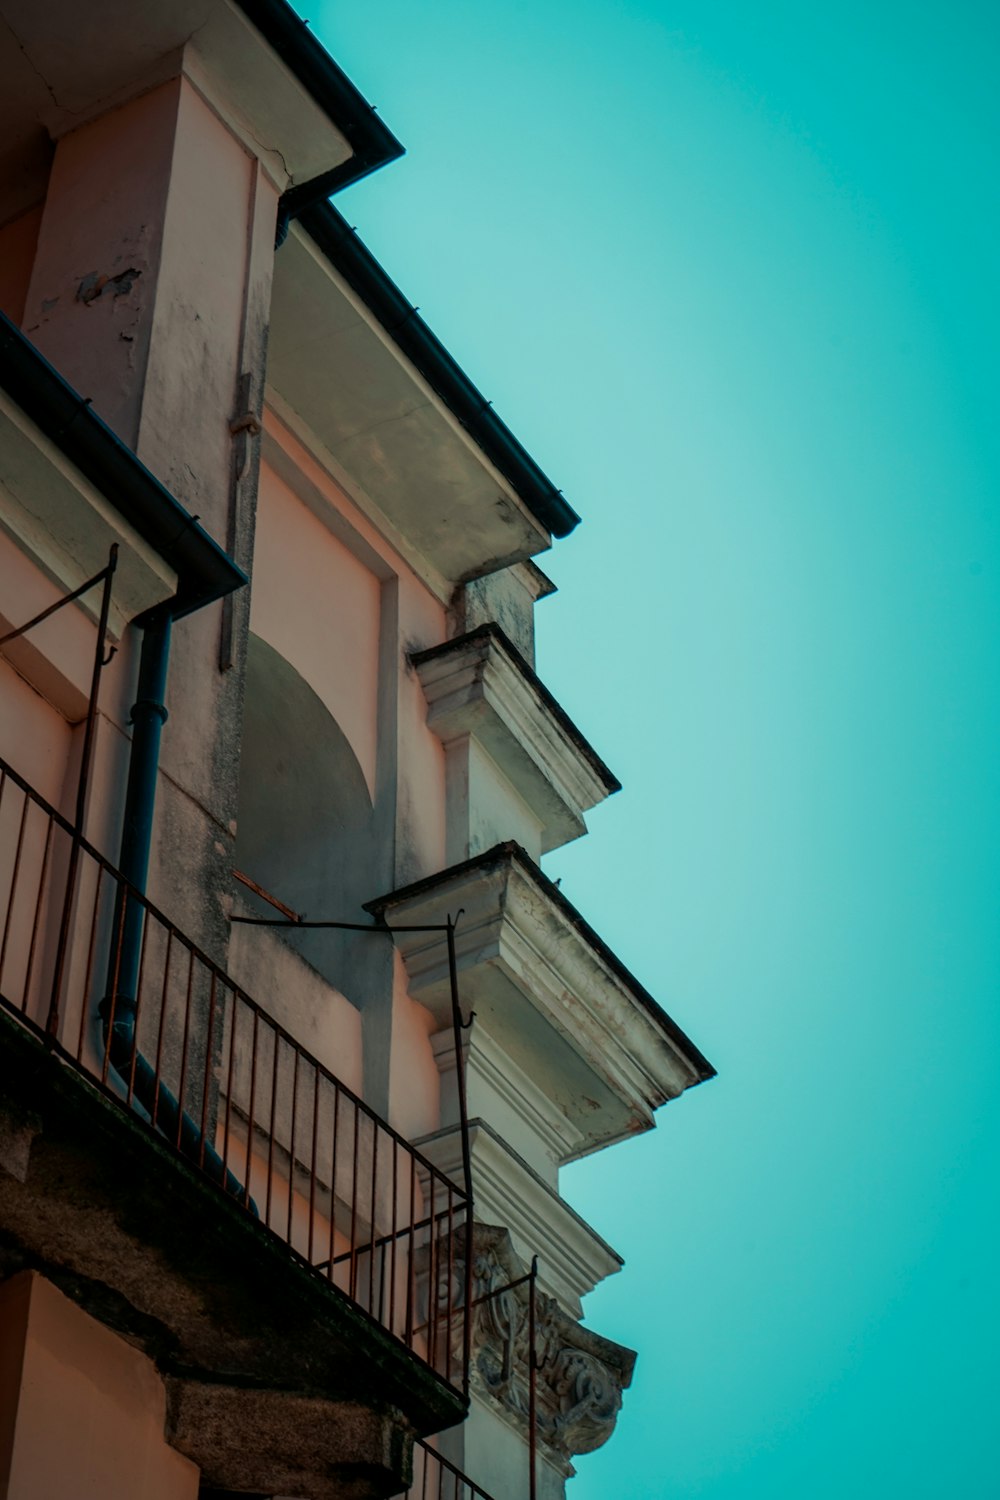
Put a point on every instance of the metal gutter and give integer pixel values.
(335, 238)
(373, 145)
(205, 572)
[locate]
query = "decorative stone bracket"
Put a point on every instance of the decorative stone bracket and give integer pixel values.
(580, 1375)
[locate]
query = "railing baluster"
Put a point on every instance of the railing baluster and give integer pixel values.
(272, 1132)
(88, 974)
(38, 912)
(13, 885)
(182, 1088)
(164, 1002)
(312, 1175)
(291, 1144)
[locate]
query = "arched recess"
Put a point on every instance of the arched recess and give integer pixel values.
(305, 828)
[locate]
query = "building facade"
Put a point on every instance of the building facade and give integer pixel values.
(295, 1033)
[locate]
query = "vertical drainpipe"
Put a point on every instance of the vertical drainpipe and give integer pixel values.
(118, 1008)
(149, 714)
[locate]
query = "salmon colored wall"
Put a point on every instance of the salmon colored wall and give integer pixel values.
(318, 606)
(414, 1081)
(415, 758)
(18, 240)
(103, 217)
(90, 1409)
(196, 353)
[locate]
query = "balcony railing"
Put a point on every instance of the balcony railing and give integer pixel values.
(121, 994)
(434, 1478)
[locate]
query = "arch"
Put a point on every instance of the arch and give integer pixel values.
(305, 825)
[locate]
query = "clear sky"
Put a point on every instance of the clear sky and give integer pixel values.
(728, 269)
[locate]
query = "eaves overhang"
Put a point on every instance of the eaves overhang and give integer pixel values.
(372, 144)
(204, 571)
(407, 329)
(263, 68)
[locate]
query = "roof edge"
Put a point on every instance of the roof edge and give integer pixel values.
(372, 143)
(205, 572)
(348, 254)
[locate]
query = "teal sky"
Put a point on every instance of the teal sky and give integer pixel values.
(728, 270)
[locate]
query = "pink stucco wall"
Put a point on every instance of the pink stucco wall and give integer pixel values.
(83, 1411)
(318, 605)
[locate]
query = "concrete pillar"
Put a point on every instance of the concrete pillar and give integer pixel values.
(150, 293)
(139, 289)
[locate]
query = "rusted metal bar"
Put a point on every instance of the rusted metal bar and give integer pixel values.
(458, 1025)
(532, 1383)
(77, 593)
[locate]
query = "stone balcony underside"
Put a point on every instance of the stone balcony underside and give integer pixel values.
(277, 1384)
(548, 991)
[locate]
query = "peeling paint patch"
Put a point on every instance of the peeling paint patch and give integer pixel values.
(94, 286)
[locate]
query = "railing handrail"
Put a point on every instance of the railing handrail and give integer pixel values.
(7, 772)
(477, 1491)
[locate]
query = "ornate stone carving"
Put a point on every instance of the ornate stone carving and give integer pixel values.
(580, 1375)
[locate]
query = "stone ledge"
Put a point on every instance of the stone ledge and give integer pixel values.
(480, 685)
(549, 992)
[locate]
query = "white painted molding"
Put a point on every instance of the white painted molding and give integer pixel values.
(558, 1002)
(478, 685)
(501, 1092)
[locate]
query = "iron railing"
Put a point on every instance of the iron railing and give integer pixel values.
(434, 1478)
(118, 991)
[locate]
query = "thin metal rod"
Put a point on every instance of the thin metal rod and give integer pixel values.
(84, 588)
(374, 927)
(463, 1115)
(83, 780)
(532, 1383)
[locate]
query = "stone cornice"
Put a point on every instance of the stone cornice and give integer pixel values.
(573, 1258)
(479, 684)
(549, 991)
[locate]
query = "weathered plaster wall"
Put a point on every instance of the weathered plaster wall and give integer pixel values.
(318, 605)
(346, 610)
(88, 1410)
(93, 285)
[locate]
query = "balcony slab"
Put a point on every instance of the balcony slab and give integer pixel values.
(101, 1206)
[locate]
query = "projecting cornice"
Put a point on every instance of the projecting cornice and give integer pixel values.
(479, 684)
(549, 992)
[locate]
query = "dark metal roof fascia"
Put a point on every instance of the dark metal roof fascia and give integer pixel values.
(204, 571)
(372, 143)
(400, 319)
